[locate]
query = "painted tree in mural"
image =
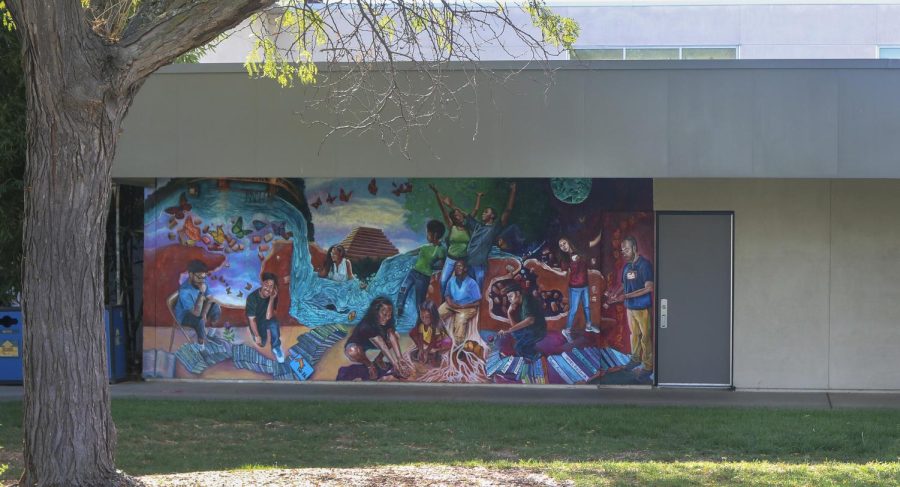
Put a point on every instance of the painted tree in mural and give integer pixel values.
(85, 60)
(531, 209)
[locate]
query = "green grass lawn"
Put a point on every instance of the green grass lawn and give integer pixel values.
(592, 445)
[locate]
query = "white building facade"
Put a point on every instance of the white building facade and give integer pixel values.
(665, 30)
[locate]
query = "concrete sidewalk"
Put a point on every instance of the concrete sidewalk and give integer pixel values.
(544, 394)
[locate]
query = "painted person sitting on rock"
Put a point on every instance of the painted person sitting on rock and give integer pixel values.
(260, 310)
(526, 319)
(461, 301)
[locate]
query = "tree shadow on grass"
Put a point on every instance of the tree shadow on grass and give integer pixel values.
(186, 436)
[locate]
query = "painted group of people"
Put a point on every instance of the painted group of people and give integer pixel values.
(465, 261)
(462, 263)
(458, 248)
(439, 327)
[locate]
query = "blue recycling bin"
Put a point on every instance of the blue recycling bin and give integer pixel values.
(11, 344)
(115, 341)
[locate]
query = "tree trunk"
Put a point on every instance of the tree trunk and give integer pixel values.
(73, 127)
(79, 85)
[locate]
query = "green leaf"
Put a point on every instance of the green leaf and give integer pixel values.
(557, 30)
(6, 20)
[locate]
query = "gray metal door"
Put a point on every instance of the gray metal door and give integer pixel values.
(694, 298)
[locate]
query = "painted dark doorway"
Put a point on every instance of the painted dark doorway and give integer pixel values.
(694, 298)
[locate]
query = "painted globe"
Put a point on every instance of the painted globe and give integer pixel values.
(571, 190)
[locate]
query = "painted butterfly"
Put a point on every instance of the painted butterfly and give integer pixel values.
(183, 206)
(238, 229)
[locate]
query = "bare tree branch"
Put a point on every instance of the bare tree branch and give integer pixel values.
(386, 59)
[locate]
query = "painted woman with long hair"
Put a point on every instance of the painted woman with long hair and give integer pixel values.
(457, 238)
(376, 331)
(575, 266)
(337, 266)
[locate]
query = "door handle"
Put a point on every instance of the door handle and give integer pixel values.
(663, 313)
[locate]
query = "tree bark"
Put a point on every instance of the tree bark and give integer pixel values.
(78, 90)
(73, 122)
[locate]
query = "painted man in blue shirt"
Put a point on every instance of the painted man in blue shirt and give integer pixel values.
(462, 296)
(637, 283)
(194, 306)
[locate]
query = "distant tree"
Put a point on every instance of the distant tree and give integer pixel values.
(421, 205)
(84, 62)
(530, 212)
(12, 163)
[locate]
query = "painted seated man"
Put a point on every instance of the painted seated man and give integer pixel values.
(461, 300)
(194, 307)
(260, 311)
(527, 324)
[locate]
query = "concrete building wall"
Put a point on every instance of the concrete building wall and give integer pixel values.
(865, 294)
(815, 278)
(813, 119)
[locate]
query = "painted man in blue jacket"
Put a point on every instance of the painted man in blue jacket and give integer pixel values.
(194, 306)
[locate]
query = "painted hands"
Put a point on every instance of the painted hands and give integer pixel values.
(405, 368)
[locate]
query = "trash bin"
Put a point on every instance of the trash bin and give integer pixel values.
(116, 340)
(10, 346)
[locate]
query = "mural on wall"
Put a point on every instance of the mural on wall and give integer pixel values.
(535, 281)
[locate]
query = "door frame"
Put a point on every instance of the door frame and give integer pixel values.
(657, 280)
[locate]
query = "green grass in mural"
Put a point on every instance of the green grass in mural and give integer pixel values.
(615, 445)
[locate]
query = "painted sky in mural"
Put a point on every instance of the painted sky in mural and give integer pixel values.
(384, 210)
(436, 280)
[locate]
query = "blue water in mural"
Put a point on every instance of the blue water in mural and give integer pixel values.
(314, 301)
